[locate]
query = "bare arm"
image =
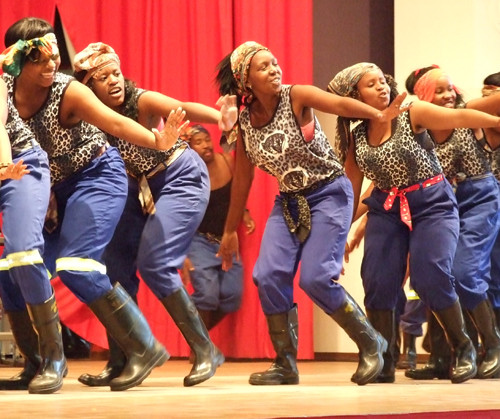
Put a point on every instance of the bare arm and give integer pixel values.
(355, 176)
(312, 97)
(240, 188)
(425, 115)
(80, 103)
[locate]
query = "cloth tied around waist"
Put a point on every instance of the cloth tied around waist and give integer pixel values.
(145, 195)
(302, 227)
(404, 207)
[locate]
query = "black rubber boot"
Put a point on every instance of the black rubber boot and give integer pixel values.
(464, 366)
(409, 355)
(45, 319)
(207, 356)
(370, 343)
(128, 327)
(113, 369)
(484, 319)
(439, 363)
(27, 342)
(384, 322)
(283, 330)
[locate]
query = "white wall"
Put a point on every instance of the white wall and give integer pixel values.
(463, 38)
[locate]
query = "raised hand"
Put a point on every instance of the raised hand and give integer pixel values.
(394, 109)
(229, 112)
(173, 128)
(14, 171)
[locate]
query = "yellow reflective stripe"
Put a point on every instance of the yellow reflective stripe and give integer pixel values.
(13, 260)
(412, 295)
(79, 264)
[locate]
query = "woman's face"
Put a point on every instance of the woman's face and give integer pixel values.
(108, 84)
(444, 94)
(374, 90)
(264, 74)
(40, 69)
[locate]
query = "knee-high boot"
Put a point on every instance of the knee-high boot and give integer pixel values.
(484, 319)
(114, 367)
(370, 343)
(451, 320)
(409, 352)
(385, 323)
(284, 334)
(45, 319)
(27, 342)
(439, 363)
(207, 356)
(128, 327)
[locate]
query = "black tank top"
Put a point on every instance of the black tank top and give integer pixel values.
(216, 213)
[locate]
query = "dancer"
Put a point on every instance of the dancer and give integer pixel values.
(216, 292)
(279, 133)
(167, 196)
(466, 164)
(88, 185)
(398, 157)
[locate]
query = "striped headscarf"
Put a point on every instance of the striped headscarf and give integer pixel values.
(241, 59)
(345, 81)
(94, 58)
(14, 57)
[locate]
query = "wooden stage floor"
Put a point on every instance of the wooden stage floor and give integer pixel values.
(324, 391)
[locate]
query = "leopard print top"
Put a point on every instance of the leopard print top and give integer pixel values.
(68, 149)
(461, 152)
(279, 148)
(21, 137)
(403, 160)
(495, 163)
(139, 160)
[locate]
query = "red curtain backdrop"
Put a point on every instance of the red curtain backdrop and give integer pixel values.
(174, 46)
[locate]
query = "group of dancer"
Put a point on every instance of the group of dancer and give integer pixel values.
(123, 197)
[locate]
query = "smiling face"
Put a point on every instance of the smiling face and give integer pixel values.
(108, 85)
(264, 75)
(40, 69)
(444, 93)
(374, 90)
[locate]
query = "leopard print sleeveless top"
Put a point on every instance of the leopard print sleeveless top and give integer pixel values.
(68, 149)
(462, 153)
(403, 160)
(279, 148)
(21, 137)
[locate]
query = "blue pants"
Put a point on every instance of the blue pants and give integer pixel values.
(320, 255)
(478, 207)
(494, 288)
(23, 204)
(414, 315)
(89, 203)
(157, 244)
(214, 289)
(431, 246)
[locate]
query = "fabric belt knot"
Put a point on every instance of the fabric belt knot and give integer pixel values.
(404, 207)
(146, 196)
(302, 227)
(51, 217)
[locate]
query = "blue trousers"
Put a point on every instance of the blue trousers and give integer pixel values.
(494, 287)
(214, 288)
(320, 255)
(478, 207)
(157, 244)
(431, 246)
(23, 205)
(89, 203)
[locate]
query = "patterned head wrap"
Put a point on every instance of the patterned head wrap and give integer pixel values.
(425, 87)
(241, 59)
(94, 58)
(14, 57)
(490, 89)
(344, 83)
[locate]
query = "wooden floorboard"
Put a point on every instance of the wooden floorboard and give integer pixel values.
(325, 390)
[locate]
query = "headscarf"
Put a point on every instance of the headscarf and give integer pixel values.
(192, 131)
(94, 58)
(345, 81)
(241, 59)
(425, 87)
(490, 89)
(14, 57)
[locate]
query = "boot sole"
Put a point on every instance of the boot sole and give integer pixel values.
(373, 376)
(288, 381)
(46, 390)
(218, 362)
(157, 361)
